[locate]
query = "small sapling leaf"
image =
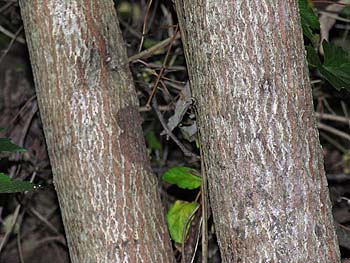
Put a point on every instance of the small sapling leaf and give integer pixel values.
(335, 67)
(152, 140)
(183, 177)
(7, 146)
(177, 217)
(309, 22)
(11, 186)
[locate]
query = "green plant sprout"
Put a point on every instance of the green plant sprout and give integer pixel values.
(6, 184)
(336, 61)
(181, 212)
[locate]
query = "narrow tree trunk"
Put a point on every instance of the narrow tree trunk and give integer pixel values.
(267, 185)
(108, 196)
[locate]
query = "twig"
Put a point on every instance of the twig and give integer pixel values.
(60, 239)
(10, 44)
(160, 107)
(197, 241)
(149, 52)
(9, 231)
(20, 252)
(329, 2)
(205, 196)
(130, 29)
(162, 68)
(334, 16)
(169, 133)
(327, 106)
(168, 18)
(28, 121)
(157, 66)
(338, 177)
(345, 110)
(205, 207)
(333, 142)
(11, 35)
(334, 131)
(24, 107)
(184, 233)
(332, 117)
(144, 27)
(5, 6)
(44, 220)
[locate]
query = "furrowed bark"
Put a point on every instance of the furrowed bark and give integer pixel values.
(267, 185)
(108, 196)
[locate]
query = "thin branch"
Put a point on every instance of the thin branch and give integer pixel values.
(329, 2)
(183, 258)
(149, 52)
(11, 35)
(19, 245)
(160, 107)
(333, 142)
(162, 68)
(331, 117)
(9, 230)
(334, 16)
(169, 133)
(10, 44)
(44, 220)
(144, 28)
(334, 131)
(130, 29)
(5, 6)
(345, 110)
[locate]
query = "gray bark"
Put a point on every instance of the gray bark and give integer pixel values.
(108, 196)
(263, 159)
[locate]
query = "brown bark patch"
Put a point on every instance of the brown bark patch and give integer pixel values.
(132, 142)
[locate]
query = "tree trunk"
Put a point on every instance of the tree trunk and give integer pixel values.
(263, 159)
(107, 193)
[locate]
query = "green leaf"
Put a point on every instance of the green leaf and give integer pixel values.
(309, 22)
(7, 146)
(177, 217)
(183, 177)
(312, 57)
(345, 12)
(336, 65)
(9, 186)
(152, 140)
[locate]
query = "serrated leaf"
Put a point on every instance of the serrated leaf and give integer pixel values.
(10, 186)
(152, 140)
(336, 65)
(7, 146)
(177, 217)
(309, 22)
(183, 177)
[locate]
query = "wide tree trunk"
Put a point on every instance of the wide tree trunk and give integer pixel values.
(267, 185)
(107, 193)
